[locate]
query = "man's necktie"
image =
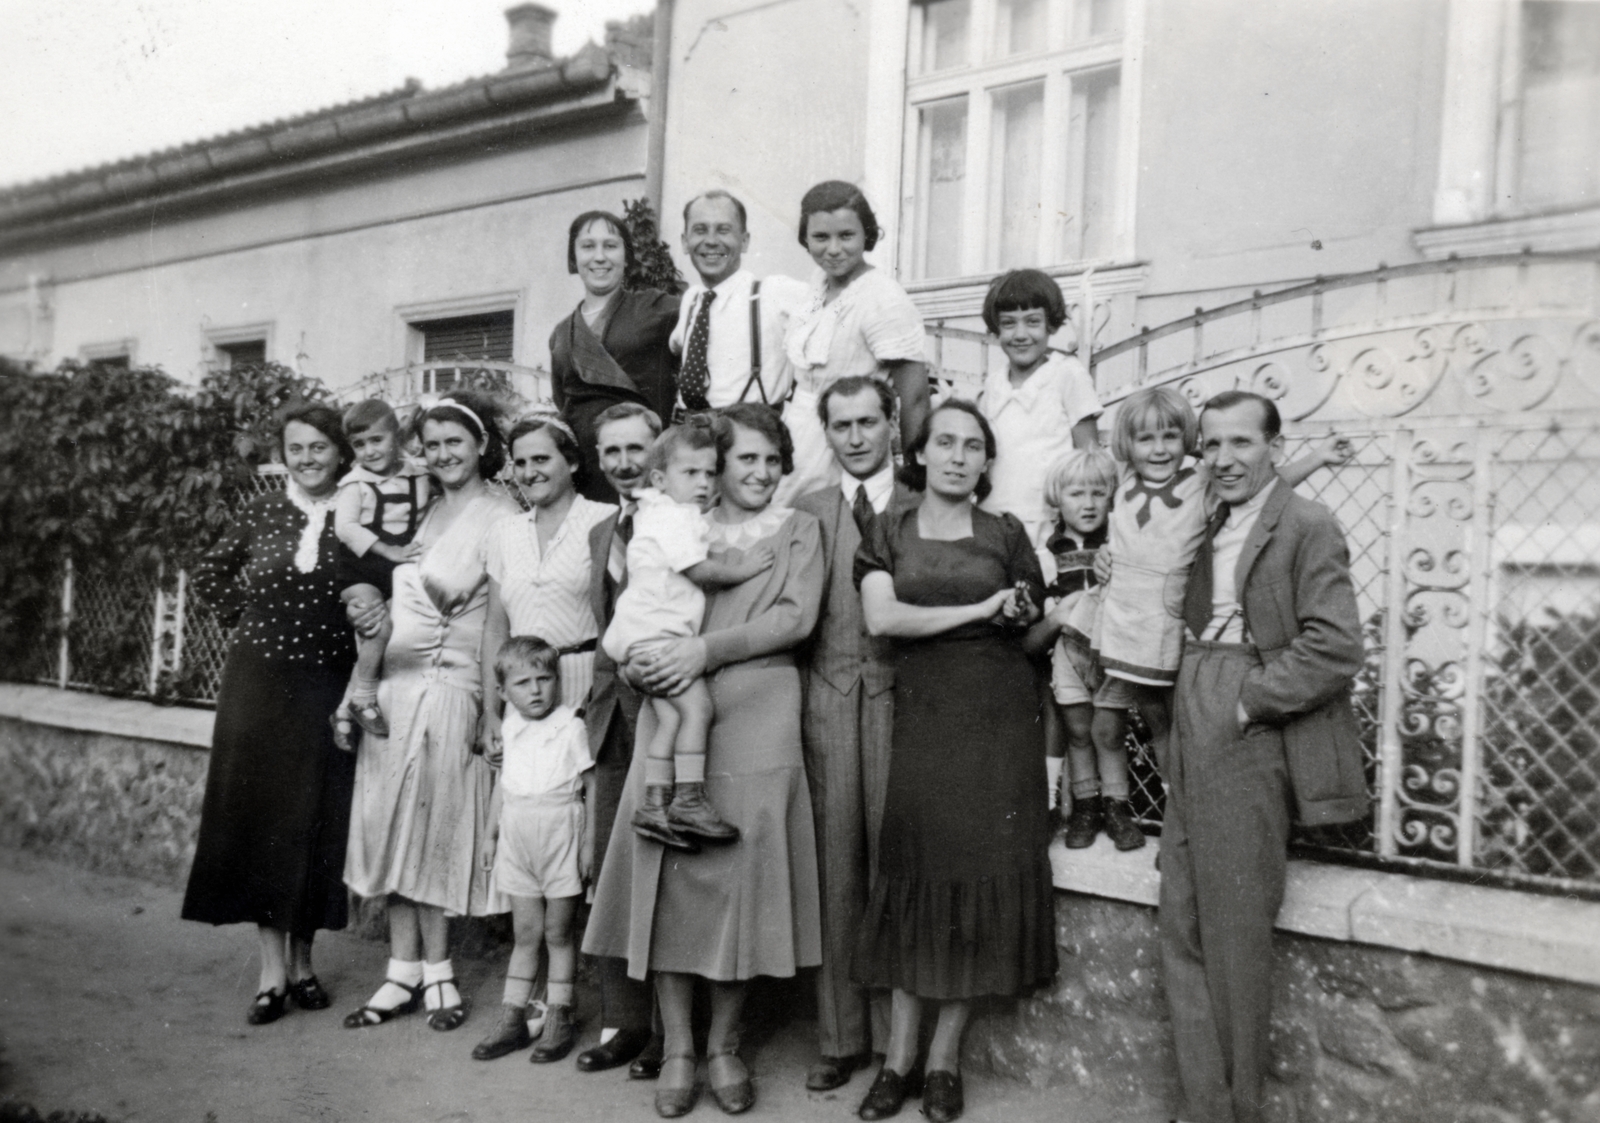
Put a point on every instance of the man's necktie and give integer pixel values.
(694, 379)
(1202, 583)
(617, 559)
(862, 510)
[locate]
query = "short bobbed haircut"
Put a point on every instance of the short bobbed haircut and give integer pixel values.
(1023, 290)
(851, 385)
(373, 413)
(1090, 466)
(1271, 420)
(718, 193)
(1158, 407)
(624, 410)
(560, 435)
(525, 651)
(618, 227)
(324, 419)
(915, 475)
(697, 432)
(759, 418)
(493, 457)
(837, 195)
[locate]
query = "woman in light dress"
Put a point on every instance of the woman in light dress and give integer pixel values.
(858, 321)
(422, 793)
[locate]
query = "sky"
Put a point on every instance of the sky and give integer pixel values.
(83, 82)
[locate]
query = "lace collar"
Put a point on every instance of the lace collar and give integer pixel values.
(317, 512)
(743, 535)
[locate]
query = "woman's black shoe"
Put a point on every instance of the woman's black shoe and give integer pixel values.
(308, 994)
(267, 1008)
(942, 1100)
(624, 1045)
(884, 1098)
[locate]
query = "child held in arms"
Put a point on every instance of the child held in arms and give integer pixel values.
(669, 563)
(1159, 516)
(380, 506)
(543, 842)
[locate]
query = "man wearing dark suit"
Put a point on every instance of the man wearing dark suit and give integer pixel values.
(848, 717)
(1263, 736)
(623, 433)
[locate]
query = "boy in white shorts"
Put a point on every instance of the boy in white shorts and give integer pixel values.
(544, 843)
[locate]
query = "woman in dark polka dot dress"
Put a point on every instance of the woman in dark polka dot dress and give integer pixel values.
(277, 805)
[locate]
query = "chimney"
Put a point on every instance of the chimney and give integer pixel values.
(530, 26)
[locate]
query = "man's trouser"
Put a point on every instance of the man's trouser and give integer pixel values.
(1223, 858)
(847, 765)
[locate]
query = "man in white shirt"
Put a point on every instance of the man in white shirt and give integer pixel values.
(848, 717)
(730, 326)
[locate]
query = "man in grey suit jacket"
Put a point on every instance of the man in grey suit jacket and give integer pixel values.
(1263, 736)
(848, 717)
(623, 434)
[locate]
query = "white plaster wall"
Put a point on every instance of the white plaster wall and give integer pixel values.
(329, 268)
(764, 101)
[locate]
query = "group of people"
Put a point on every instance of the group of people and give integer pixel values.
(786, 664)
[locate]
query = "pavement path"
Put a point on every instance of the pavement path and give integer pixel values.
(110, 1003)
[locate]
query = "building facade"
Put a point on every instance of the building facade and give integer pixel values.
(416, 225)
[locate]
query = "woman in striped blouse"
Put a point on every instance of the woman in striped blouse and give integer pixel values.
(539, 562)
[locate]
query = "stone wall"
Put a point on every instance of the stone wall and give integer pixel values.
(114, 804)
(1359, 1033)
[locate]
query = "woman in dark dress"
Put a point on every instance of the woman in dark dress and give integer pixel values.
(960, 905)
(277, 804)
(613, 348)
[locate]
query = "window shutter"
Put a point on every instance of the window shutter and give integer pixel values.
(468, 337)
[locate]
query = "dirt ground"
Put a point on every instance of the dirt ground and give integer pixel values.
(110, 1003)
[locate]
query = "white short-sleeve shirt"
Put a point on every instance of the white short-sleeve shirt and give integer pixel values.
(1032, 429)
(545, 756)
(660, 602)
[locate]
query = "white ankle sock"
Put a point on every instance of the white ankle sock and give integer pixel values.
(445, 995)
(518, 991)
(1052, 772)
(407, 972)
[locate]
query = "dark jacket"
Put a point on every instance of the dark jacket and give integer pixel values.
(1300, 612)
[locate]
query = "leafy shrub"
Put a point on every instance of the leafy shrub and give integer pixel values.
(119, 470)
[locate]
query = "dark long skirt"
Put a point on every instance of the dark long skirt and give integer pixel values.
(277, 806)
(960, 905)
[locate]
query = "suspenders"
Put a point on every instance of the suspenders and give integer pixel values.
(755, 346)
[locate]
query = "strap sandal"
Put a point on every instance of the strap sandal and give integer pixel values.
(344, 731)
(308, 994)
(267, 1008)
(446, 1018)
(369, 1016)
(730, 1083)
(369, 717)
(676, 1087)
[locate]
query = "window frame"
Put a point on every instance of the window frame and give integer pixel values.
(1056, 64)
(414, 317)
(217, 340)
(1475, 210)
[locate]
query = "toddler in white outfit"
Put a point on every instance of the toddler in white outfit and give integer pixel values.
(669, 563)
(543, 842)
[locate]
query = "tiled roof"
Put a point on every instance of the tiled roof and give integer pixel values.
(406, 112)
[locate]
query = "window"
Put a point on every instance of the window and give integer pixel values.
(108, 356)
(245, 353)
(1519, 153)
(484, 337)
(1552, 136)
(1014, 133)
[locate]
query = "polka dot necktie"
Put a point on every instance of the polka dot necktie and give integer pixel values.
(694, 380)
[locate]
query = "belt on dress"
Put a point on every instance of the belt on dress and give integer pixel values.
(578, 648)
